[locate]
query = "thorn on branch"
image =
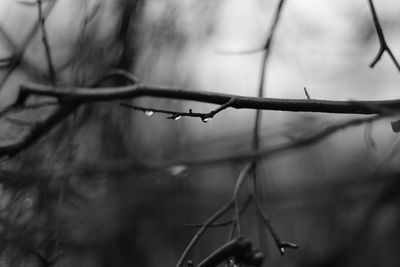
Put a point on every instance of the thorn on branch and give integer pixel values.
(306, 93)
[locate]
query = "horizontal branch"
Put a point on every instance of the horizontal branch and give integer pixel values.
(85, 94)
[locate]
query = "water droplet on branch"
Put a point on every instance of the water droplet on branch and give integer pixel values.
(149, 113)
(206, 119)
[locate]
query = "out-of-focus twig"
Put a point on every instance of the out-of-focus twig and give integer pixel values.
(19, 51)
(242, 209)
(280, 244)
(217, 214)
(266, 153)
(221, 211)
(46, 45)
(383, 46)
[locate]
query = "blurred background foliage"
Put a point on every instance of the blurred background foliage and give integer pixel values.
(337, 199)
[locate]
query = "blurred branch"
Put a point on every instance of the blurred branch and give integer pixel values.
(228, 222)
(273, 151)
(41, 128)
(221, 211)
(37, 131)
(383, 46)
(264, 153)
(217, 214)
(18, 51)
(52, 73)
(255, 142)
(280, 245)
(240, 249)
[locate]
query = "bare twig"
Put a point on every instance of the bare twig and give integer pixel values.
(175, 115)
(219, 213)
(19, 51)
(52, 73)
(41, 128)
(383, 46)
(236, 222)
(273, 151)
(261, 86)
(246, 204)
(281, 245)
(204, 227)
(89, 94)
(38, 130)
(250, 156)
(16, 109)
(257, 120)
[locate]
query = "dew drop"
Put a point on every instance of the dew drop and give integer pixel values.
(282, 249)
(149, 113)
(206, 119)
(178, 170)
(177, 117)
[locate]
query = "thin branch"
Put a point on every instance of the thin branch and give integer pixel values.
(383, 46)
(228, 222)
(89, 94)
(201, 231)
(17, 109)
(40, 128)
(18, 51)
(236, 222)
(273, 151)
(37, 131)
(175, 115)
(218, 213)
(255, 142)
(280, 245)
(250, 156)
(52, 73)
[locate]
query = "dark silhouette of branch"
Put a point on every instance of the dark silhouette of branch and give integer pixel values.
(383, 46)
(236, 221)
(90, 94)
